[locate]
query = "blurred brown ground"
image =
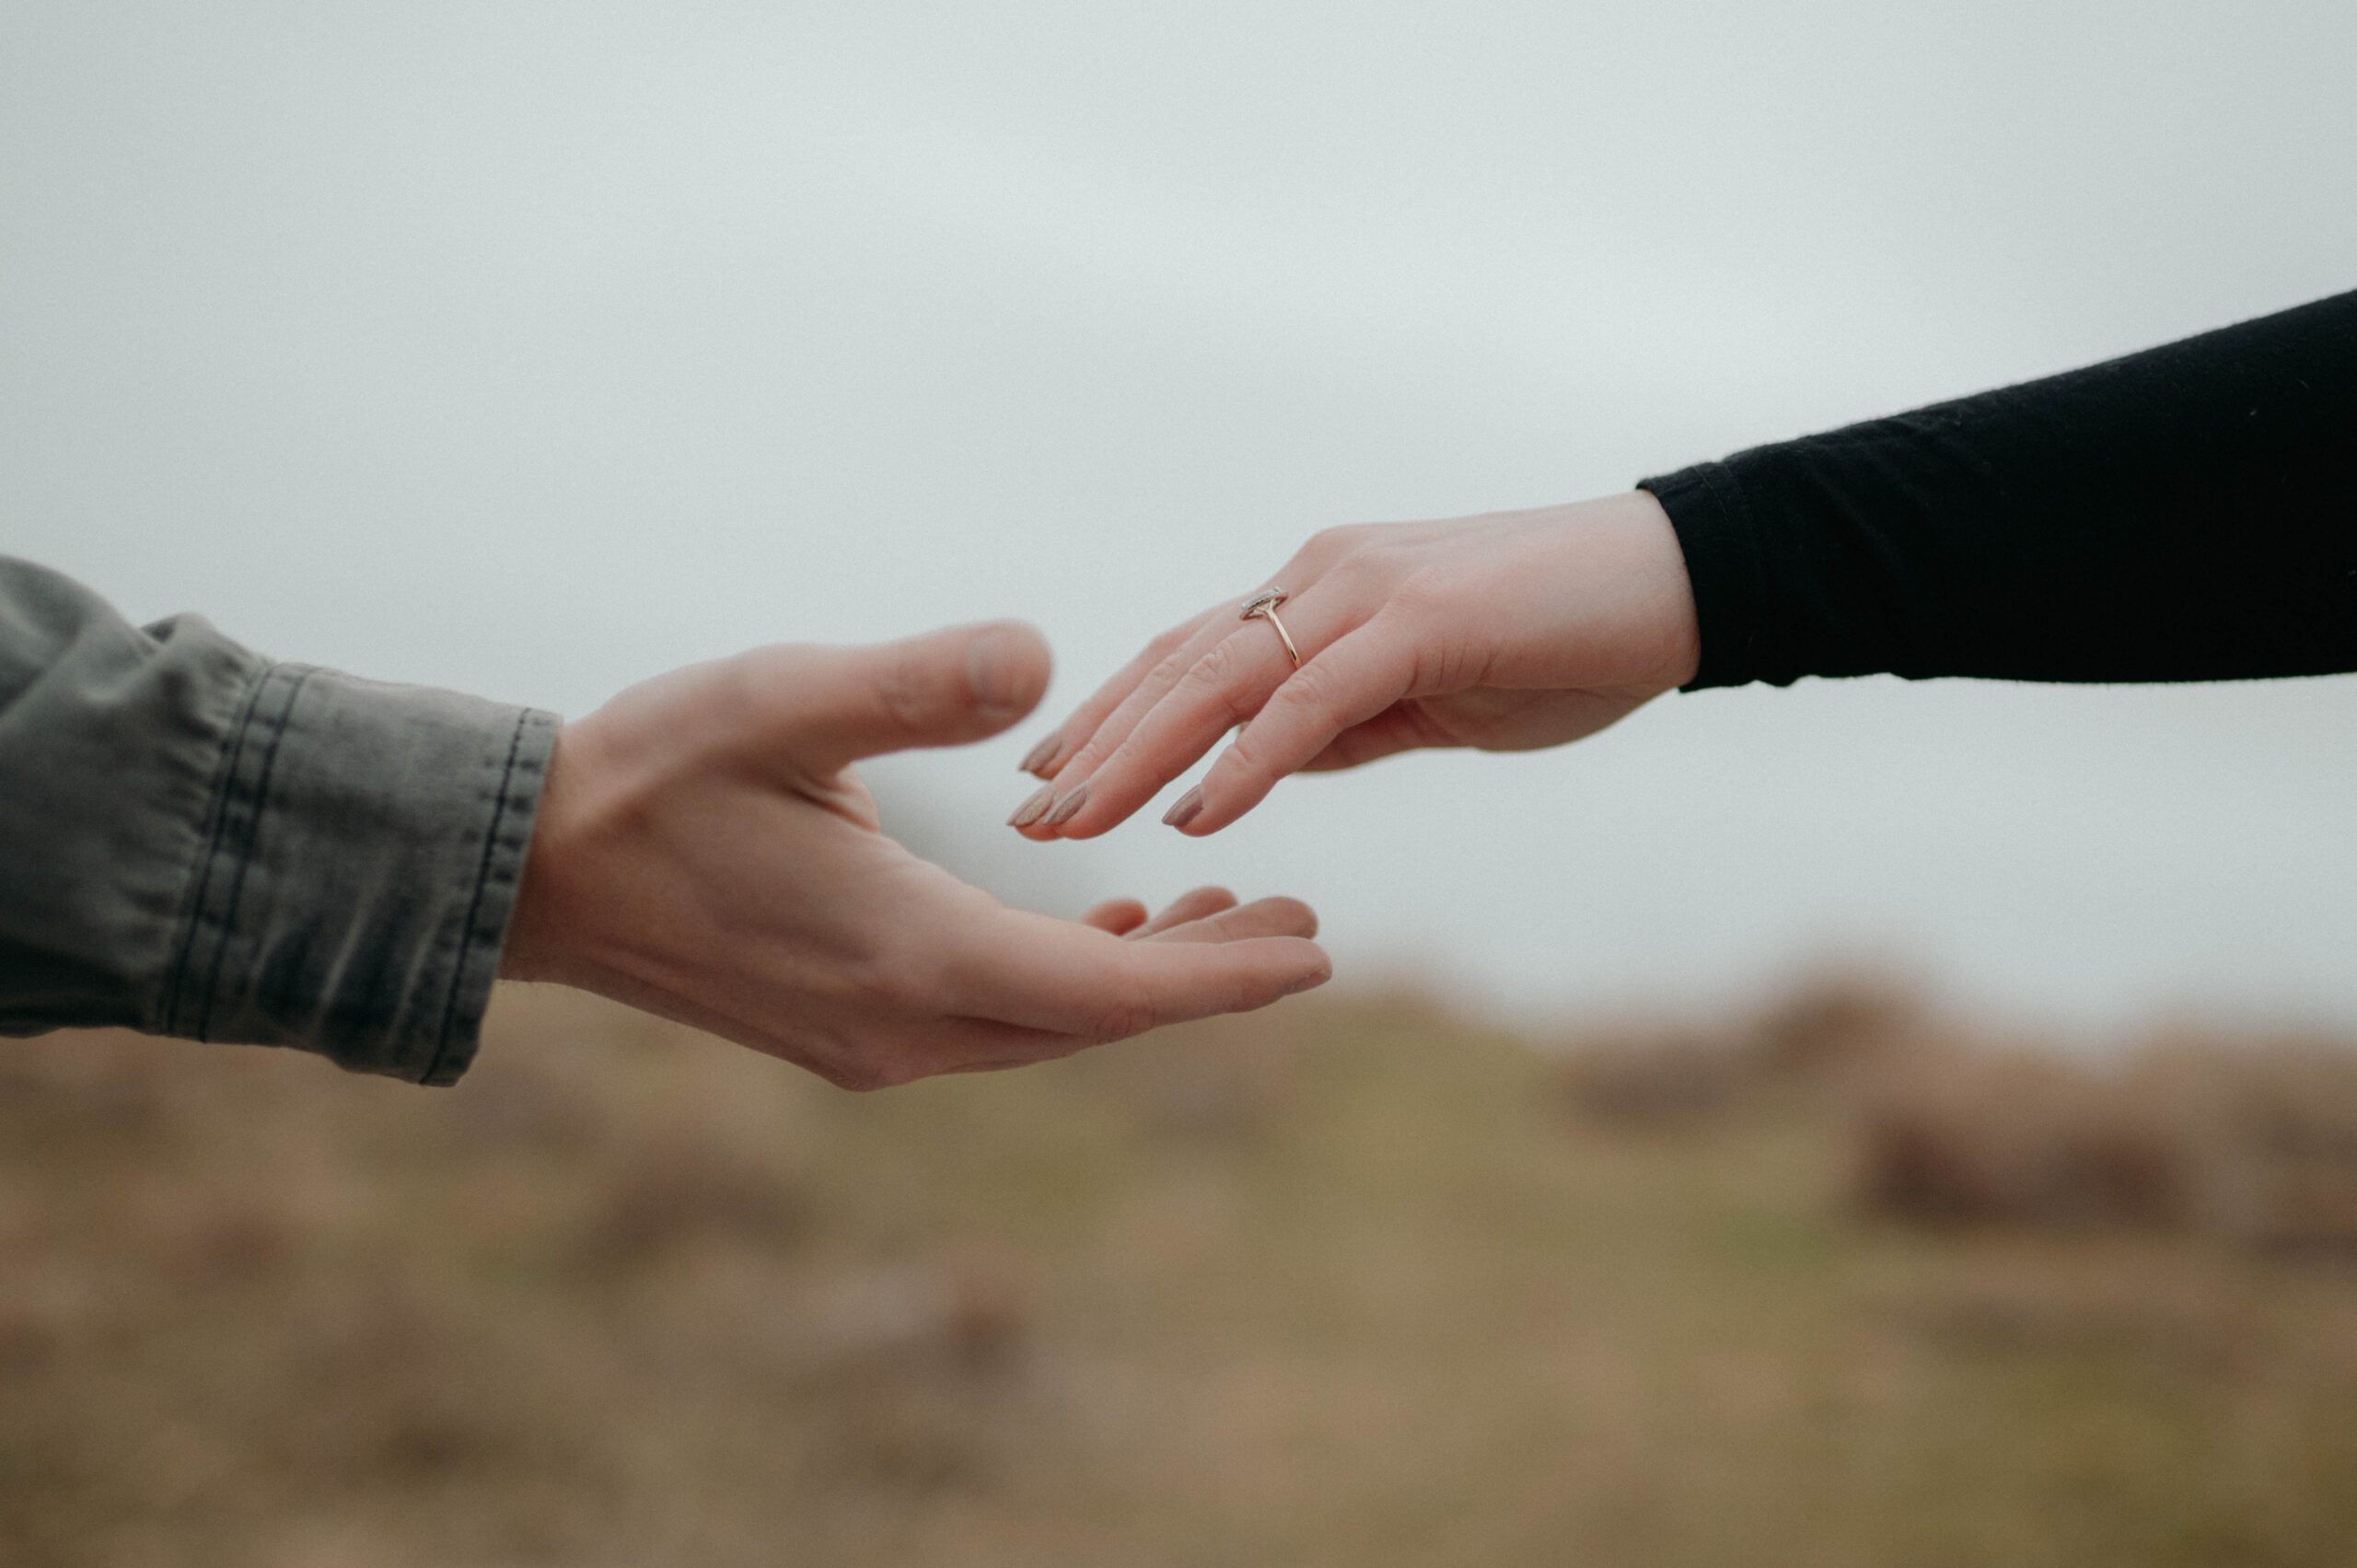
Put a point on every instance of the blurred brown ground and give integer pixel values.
(1346, 1282)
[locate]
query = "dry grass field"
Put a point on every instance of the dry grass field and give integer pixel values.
(1350, 1282)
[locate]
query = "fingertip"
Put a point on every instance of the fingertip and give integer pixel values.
(1039, 761)
(1311, 980)
(1065, 811)
(1185, 810)
(1295, 964)
(1194, 905)
(1298, 918)
(1035, 806)
(1116, 917)
(1231, 787)
(1288, 964)
(1225, 922)
(1007, 666)
(1315, 972)
(1208, 818)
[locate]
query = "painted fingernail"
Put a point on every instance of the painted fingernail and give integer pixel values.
(1035, 806)
(1186, 809)
(1037, 760)
(1067, 808)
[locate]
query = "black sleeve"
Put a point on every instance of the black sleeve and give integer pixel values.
(2188, 513)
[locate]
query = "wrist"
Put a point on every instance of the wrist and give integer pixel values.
(1671, 622)
(533, 942)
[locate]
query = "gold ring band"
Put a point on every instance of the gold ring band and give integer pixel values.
(1262, 606)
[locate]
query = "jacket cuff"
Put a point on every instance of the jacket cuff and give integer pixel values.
(361, 860)
(1732, 605)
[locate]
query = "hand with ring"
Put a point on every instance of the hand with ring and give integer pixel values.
(1505, 633)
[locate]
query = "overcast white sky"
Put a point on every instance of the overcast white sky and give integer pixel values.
(534, 348)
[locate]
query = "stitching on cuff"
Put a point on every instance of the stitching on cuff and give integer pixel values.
(216, 817)
(246, 854)
(221, 828)
(467, 939)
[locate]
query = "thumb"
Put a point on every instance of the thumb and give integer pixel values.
(946, 688)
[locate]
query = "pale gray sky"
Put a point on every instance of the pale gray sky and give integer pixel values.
(533, 348)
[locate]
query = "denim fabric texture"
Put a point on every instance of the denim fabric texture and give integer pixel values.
(200, 841)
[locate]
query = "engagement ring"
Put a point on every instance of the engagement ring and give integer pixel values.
(1262, 606)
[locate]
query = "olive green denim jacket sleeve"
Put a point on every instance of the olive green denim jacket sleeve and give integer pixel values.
(197, 841)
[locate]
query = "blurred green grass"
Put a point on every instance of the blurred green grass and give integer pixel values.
(1350, 1282)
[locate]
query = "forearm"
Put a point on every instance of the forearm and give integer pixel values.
(195, 840)
(2188, 513)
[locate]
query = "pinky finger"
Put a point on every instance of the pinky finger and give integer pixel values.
(1397, 728)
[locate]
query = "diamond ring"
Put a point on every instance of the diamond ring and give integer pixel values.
(1262, 606)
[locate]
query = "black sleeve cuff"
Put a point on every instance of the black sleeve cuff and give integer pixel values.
(1724, 563)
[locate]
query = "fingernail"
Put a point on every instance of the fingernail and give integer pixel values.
(1309, 983)
(1036, 761)
(1034, 806)
(1186, 809)
(1067, 808)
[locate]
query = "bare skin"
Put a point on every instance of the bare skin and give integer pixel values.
(1507, 633)
(705, 852)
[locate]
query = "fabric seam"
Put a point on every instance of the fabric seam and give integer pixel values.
(216, 822)
(244, 862)
(467, 940)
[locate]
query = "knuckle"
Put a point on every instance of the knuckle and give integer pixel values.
(753, 689)
(1419, 593)
(1171, 665)
(1452, 666)
(897, 976)
(906, 695)
(1218, 677)
(1310, 698)
(1311, 691)
(1250, 757)
(1327, 544)
(1119, 1019)
(1212, 671)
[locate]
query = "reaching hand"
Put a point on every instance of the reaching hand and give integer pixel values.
(1507, 633)
(705, 852)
